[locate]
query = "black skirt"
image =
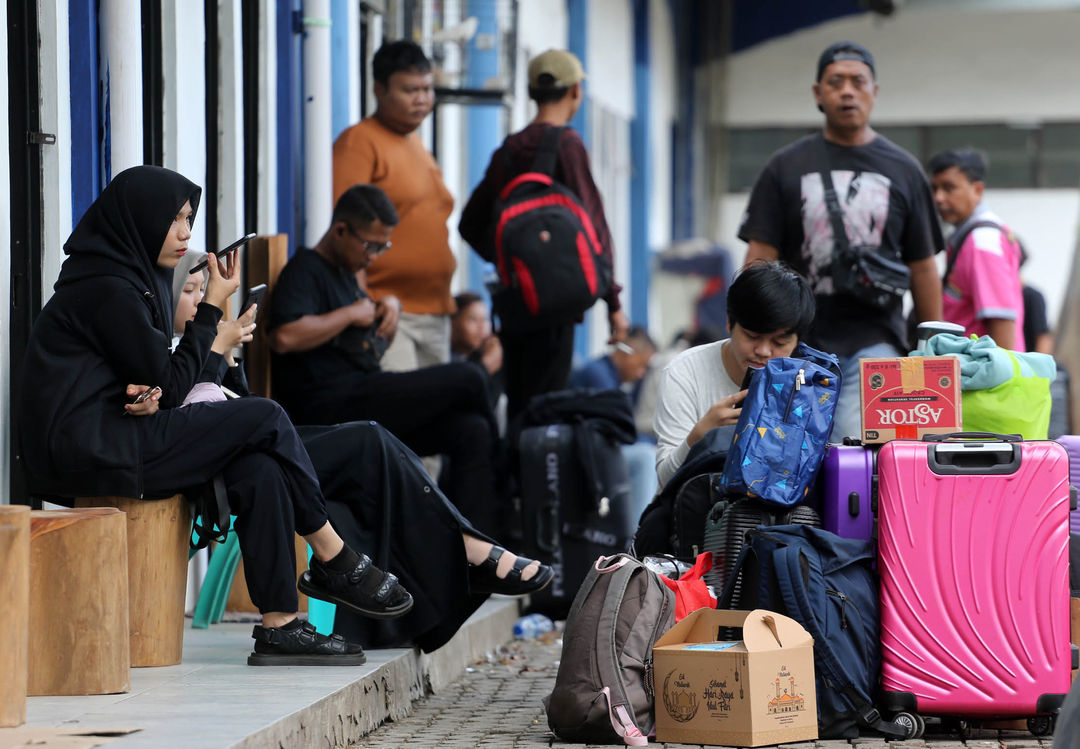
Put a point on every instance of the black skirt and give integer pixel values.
(383, 503)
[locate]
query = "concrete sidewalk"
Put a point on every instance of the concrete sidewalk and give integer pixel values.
(496, 705)
(214, 700)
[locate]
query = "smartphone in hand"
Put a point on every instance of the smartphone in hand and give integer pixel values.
(254, 296)
(147, 394)
(221, 253)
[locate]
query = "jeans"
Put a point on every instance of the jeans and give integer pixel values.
(641, 466)
(848, 419)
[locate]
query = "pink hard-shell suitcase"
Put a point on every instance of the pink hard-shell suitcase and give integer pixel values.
(1072, 447)
(973, 555)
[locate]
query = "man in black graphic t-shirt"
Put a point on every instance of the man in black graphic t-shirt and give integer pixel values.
(887, 208)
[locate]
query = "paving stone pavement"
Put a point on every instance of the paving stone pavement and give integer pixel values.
(496, 705)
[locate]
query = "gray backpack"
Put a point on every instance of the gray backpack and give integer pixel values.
(604, 690)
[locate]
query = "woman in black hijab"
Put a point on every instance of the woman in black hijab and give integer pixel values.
(104, 338)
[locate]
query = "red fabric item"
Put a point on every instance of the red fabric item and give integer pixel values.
(690, 590)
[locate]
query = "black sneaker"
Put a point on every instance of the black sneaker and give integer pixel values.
(365, 589)
(302, 646)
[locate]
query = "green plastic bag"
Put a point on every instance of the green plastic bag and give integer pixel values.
(1020, 405)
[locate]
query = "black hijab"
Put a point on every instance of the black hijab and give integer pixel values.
(122, 232)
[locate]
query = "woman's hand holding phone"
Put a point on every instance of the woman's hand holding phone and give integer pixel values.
(233, 333)
(224, 279)
(146, 400)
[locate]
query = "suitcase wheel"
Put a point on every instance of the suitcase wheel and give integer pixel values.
(912, 722)
(1041, 725)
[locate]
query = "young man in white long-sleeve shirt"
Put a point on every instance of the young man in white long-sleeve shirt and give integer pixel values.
(770, 307)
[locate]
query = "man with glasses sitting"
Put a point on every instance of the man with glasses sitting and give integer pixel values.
(328, 335)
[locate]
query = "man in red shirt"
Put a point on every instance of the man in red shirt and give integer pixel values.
(538, 361)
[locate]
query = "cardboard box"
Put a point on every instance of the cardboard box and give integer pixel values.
(750, 693)
(907, 397)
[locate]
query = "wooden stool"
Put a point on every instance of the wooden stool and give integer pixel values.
(78, 603)
(14, 611)
(158, 532)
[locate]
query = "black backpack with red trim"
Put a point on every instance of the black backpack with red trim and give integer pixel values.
(550, 262)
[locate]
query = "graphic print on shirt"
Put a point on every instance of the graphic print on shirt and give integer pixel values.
(864, 200)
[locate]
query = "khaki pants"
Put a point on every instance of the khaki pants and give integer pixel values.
(421, 341)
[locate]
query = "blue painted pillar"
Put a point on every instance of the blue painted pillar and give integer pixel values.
(85, 105)
(482, 135)
(641, 176)
(288, 120)
(577, 12)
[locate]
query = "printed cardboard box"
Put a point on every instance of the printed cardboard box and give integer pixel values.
(750, 693)
(907, 397)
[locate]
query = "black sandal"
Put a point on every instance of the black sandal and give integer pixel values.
(302, 646)
(366, 589)
(484, 577)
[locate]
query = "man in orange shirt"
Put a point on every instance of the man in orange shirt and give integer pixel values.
(384, 150)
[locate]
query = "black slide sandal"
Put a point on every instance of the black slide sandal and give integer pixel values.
(483, 577)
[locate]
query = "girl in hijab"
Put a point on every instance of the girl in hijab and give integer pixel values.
(103, 339)
(380, 498)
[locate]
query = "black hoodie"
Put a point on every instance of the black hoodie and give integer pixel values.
(108, 324)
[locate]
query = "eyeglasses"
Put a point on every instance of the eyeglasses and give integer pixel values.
(372, 248)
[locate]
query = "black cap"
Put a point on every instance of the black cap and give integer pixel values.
(844, 51)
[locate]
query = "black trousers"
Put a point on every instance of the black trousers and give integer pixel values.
(271, 483)
(381, 500)
(536, 362)
(440, 410)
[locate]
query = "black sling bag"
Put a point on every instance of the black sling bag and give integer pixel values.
(860, 271)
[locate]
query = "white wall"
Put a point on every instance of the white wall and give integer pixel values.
(933, 65)
(609, 62)
(542, 25)
(55, 159)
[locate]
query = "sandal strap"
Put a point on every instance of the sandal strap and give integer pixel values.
(373, 581)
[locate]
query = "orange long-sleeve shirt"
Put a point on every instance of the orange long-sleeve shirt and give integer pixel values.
(419, 266)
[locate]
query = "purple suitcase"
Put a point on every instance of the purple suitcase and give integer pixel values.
(848, 491)
(1072, 447)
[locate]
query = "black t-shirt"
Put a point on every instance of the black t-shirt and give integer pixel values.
(310, 285)
(887, 204)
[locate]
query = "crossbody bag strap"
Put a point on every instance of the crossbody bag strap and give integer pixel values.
(956, 242)
(832, 202)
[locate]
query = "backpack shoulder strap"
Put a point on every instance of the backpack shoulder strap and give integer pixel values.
(548, 152)
(788, 570)
(607, 651)
(957, 242)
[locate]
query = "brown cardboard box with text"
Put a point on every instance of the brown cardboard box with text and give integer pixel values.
(746, 693)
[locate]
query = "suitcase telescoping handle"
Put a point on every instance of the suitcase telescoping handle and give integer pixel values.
(973, 453)
(972, 436)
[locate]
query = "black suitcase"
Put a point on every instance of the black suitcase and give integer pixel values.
(725, 536)
(563, 523)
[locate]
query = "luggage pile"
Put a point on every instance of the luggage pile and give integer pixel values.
(931, 571)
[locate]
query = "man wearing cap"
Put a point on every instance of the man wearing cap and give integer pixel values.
(887, 212)
(385, 150)
(538, 361)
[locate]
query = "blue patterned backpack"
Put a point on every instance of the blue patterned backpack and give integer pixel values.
(785, 422)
